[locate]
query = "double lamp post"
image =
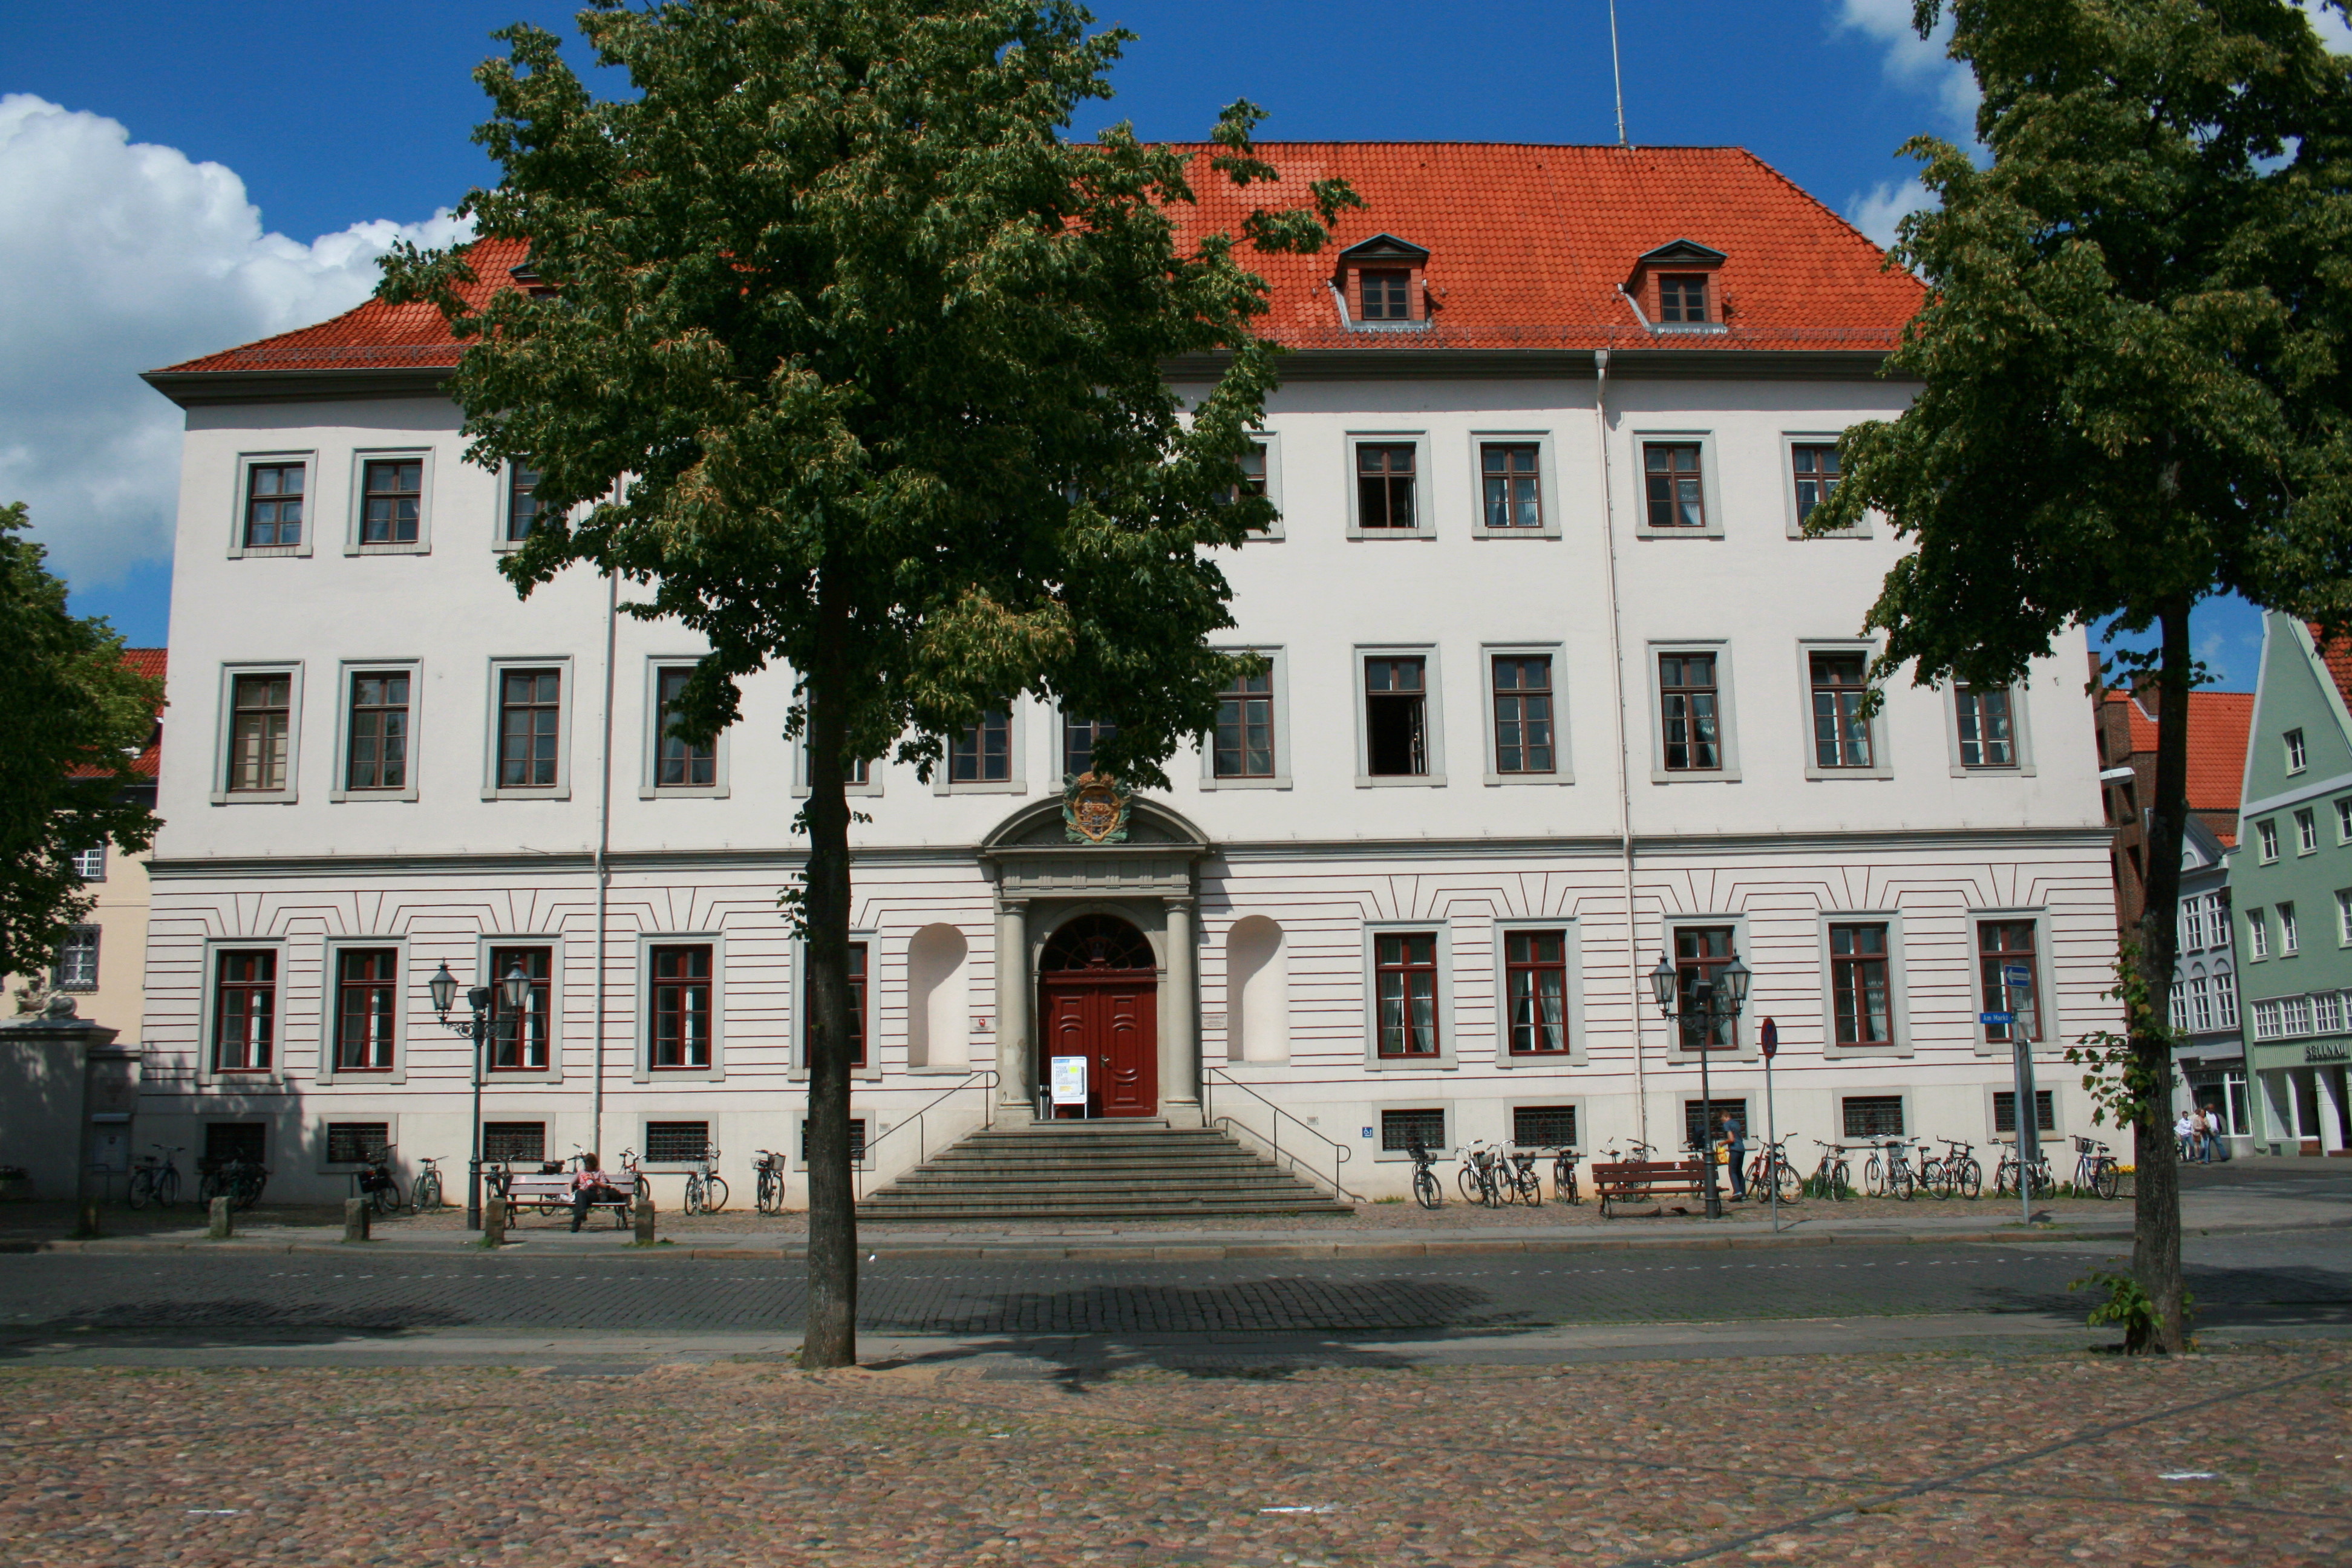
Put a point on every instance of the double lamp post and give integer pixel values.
(517, 997)
(1709, 1003)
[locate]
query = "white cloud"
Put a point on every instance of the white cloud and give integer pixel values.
(2327, 20)
(118, 256)
(1917, 63)
(1877, 211)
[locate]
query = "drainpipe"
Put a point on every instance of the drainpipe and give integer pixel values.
(1625, 755)
(604, 851)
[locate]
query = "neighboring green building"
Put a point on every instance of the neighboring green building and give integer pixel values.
(2291, 881)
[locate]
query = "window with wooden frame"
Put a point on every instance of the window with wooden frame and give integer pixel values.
(681, 1005)
(503, 1141)
(1675, 484)
(1396, 718)
(1988, 732)
(1873, 1115)
(1383, 294)
(522, 502)
(1701, 955)
(273, 504)
(357, 1142)
(2000, 944)
(676, 1142)
(1513, 482)
(857, 998)
(367, 1007)
(521, 1042)
(531, 728)
(1253, 467)
(1681, 296)
(1080, 738)
(392, 500)
(1535, 973)
(1689, 712)
(376, 740)
(1384, 487)
(2004, 1110)
(1400, 1129)
(1815, 468)
(1861, 994)
(77, 965)
(1523, 715)
(1404, 965)
(261, 717)
(1840, 733)
(681, 763)
(245, 1010)
(1244, 747)
(984, 753)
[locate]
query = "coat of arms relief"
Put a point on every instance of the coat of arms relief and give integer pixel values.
(1093, 808)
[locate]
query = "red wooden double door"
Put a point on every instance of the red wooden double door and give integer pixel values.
(1102, 1003)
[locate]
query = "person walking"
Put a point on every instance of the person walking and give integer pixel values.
(1736, 1136)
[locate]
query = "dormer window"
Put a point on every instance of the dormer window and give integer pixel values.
(1382, 283)
(1681, 296)
(1383, 294)
(1674, 288)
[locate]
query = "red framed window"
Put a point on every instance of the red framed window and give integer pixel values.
(1999, 944)
(244, 1012)
(681, 1002)
(1523, 713)
(522, 502)
(273, 505)
(522, 1042)
(1383, 294)
(1080, 738)
(1396, 718)
(260, 726)
(682, 763)
(1514, 488)
(1859, 993)
(1535, 972)
(1243, 748)
(1840, 733)
(367, 1006)
(1817, 476)
(1988, 732)
(1384, 480)
(1701, 954)
(1689, 715)
(391, 500)
(858, 992)
(984, 755)
(1674, 484)
(377, 755)
(1405, 973)
(1681, 296)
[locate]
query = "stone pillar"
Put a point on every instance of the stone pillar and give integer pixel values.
(355, 1218)
(641, 1216)
(1179, 1092)
(1014, 1105)
(221, 1220)
(2329, 1081)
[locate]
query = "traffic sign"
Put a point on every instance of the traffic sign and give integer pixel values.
(2016, 975)
(1768, 1038)
(1997, 1018)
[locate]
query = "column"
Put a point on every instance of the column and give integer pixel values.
(1013, 1104)
(1179, 1094)
(2329, 1081)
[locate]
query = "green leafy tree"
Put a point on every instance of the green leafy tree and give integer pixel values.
(853, 363)
(73, 715)
(2133, 393)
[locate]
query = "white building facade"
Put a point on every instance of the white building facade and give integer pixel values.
(1554, 688)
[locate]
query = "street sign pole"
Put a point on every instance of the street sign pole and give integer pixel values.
(1768, 1041)
(2016, 978)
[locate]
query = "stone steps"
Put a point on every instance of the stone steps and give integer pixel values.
(1097, 1171)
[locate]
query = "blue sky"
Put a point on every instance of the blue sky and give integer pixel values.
(181, 177)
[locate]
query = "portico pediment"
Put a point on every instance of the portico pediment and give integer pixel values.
(1032, 854)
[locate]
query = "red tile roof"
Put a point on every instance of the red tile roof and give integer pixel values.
(1527, 247)
(149, 662)
(2218, 723)
(2339, 662)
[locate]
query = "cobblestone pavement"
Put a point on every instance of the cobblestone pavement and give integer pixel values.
(2225, 1459)
(2243, 1277)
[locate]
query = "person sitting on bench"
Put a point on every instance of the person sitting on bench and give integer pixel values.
(591, 1186)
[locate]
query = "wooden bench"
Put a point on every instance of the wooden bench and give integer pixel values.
(1640, 1181)
(552, 1194)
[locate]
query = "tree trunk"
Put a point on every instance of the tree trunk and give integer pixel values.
(831, 1339)
(2155, 1230)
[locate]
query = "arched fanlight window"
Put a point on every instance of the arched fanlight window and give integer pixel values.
(1097, 941)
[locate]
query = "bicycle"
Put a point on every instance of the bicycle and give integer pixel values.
(1834, 1177)
(156, 1180)
(638, 1186)
(1563, 1176)
(1426, 1190)
(1515, 1169)
(1958, 1174)
(1477, 1177)
(376, 1182)
(2096, 1170)
(1770, 1165)
(1636, 1152)
(2011, 1179)
(238, 1180)
(768, 1178)
(1887, 1172)
(705, 1192)
(424, 1196)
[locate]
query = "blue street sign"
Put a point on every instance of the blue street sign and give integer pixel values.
(1996, 1017)
(2016, 975)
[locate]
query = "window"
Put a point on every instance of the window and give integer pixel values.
(1399, 1129)
(676, 1143)
(376, 751)
(1698, 1115)
(1535, 969)
(2306, 832)
(1874, 1115)
(1080, 738)
(514, 1140)
(2296, 761)
(367, 996)
(1405, 967)
(2290, 935)
(1543, 1126)
(1671, 471)
(77, 967)
(1396, 718)
(522, 502)
(530, 724)
(391, 500)
(681, 763)
(857, 1140)
(1859, 989)
(1514, 486)
(1383, 294)
(1688, 712)
(2344, 916)
(2294, 1016)
(2266, 837)
(1988, 738)
(273, 505)
(2327, 1013)
(244, 1012)
(681, 1007)
(2004, 1109)
(1815, 467)
(1243, 748)
(1523, 740)
(2344, 820)
(2000, 944)
(226, 1141)
(1700, 954)
(520, 1043)
(1840, 733)
(2225, 1001)
(89, 865)
(1681, 296)
(357, 1142)
(2258, 934)
(857, 994)
(984, 755)
(260, 725)
(1385, 475)
(1253, 467)
(2193, 1004)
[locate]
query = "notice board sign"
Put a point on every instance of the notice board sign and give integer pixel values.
(1069, 1081)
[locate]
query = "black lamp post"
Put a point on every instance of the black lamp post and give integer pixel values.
(1713, 1002)
(444, 987)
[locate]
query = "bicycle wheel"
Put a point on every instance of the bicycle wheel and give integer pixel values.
(1466, 1180)
(693, 1201)
(388, 1199)
(2107, 1180)
(1842, 1182)
(763, 1191)
(167, 1187)
(1531, 1188)
(1425, 1190)
(143, 1187)
(714, 1194)
(246, 1191)
(1971, 1179)
(1873, 1178)
(1793, 1183)
(428, 1193)
(1900, 1183)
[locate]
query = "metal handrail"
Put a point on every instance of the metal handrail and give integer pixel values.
(1341, 1152)
(865, 1161)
